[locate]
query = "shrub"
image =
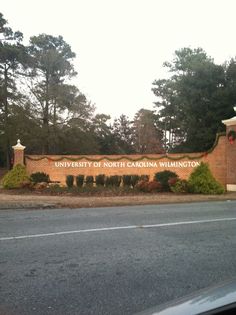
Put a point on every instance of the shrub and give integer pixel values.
(69, 181)
(163, 178)
(39, 177)
(79, 180)
(151, 187)
(114, 181)
(127, 180)
(201, 181)
(172, 181)
(181, 186)
(89, 181)
(15, 177)
(100, 180)
(144, 177)
(134, 180)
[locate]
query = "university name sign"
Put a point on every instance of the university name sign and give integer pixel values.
(126, 164)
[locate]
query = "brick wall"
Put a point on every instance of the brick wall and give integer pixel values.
(182, 164)
(231, 159)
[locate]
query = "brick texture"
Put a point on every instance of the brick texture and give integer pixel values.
(182, 164)
(231, 158)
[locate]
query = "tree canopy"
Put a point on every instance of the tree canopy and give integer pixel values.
(40, 105)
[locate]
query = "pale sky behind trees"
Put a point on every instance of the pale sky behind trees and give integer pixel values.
(121, 44)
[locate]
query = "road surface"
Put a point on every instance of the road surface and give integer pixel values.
(118, 260)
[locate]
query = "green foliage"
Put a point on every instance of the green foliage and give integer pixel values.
(144, 177)
(89, 181)
(15, 177)
(79, 180)
(194, 100)
(201, 181)
(114, 181)
(126, 180)
(100, 180)
(181, 186)
(134, 180)
(39, 177)
(163, 178)
(147, 132)
(70, 181)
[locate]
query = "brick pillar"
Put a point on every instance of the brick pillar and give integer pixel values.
(18, 153)
(230, 154)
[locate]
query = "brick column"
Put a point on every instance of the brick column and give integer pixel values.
(230, 154)
(18, 153)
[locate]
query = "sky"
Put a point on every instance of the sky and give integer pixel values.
(121, 45)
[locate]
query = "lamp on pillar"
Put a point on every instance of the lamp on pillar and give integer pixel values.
(18, 153)
(231, 152)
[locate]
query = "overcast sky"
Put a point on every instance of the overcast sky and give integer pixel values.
(121, 44)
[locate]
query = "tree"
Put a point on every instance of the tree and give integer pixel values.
(147, 134)
(192, 102)
(12, 58)
(123, 132)
(52, 66)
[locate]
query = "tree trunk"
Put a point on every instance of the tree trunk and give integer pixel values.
(46, 121)
(6, 122)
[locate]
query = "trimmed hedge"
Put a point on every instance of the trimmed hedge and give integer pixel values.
(15, 178)
(100, 180)
(113, 181)
(126, 180)
(70, 181)
(79, 180)
(89, 181)
(39, 177)
(201, 181)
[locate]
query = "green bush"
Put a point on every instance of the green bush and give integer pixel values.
(114, 181)
(181, 186)
(79, 180)
(201, 181)
(70, 181)
(163, 178)
(89, 181)
(134, 180)
(15, 178)
(100, 180)
(126, 180)
(39, 177)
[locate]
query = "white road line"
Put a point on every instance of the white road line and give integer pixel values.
(128, 227)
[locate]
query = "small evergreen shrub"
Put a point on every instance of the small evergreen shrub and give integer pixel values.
(100, 180)
(70, 181)
(89, 181)
(134, 180)
(201, 181)
(79, 180)
(39, 177)
(116, 180)
(163, 178)
(144, 177)
(181, 186)
(15, 178)
(127, 180)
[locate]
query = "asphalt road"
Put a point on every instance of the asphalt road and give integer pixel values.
(112, 260)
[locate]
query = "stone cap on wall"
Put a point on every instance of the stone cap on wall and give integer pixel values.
(18, 146)
(231, 121)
